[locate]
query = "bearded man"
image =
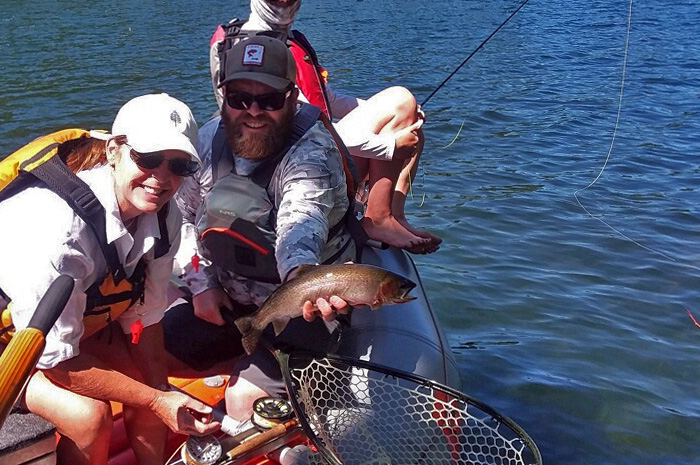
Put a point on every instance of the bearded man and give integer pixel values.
(263, 150)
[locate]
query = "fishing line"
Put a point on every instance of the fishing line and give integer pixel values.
(410, 187)
(455, 72)
(472, 54)
(612, 143)
(458, 133)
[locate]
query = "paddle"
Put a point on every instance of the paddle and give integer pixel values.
(22, 353)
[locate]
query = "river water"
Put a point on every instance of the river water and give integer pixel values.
(572, 324)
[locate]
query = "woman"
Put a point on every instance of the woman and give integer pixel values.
(88, 361)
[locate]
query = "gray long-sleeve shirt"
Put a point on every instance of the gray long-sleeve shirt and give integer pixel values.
(308, 190)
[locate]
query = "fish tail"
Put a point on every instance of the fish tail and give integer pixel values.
(250, 334)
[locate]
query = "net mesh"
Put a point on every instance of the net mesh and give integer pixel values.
(370, 417)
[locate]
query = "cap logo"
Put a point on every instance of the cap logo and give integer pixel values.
(175, 118)
(253, 55)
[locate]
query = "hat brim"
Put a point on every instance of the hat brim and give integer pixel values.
(145, 143)
(276, 82)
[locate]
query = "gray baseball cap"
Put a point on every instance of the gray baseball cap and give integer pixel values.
(261, 58)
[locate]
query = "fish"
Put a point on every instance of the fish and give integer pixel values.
(357, 284)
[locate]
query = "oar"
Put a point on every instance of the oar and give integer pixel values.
(23, 352)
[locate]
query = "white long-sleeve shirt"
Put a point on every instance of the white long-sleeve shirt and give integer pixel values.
(41, 237)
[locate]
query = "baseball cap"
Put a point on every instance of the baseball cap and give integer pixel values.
(156, 122)
(261, 58)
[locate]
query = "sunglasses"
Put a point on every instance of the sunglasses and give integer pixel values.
(152, 160)
(267, 102)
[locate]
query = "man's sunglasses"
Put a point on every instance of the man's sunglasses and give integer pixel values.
(267, 102)
(152, 160)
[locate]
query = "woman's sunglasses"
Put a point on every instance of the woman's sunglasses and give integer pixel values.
(152, 160)
(267, 102)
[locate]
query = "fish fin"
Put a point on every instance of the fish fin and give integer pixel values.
(250, 341)
(304, 268)
(279, 325)
(244, 324)
(250, 334)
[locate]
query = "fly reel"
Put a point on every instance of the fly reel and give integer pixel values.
(201, 450)
(269, 412)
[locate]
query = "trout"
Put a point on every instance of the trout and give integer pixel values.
(357, 284)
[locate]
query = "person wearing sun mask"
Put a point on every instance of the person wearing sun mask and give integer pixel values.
(382, 133)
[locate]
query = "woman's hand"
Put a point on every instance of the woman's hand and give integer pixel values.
(183, 414)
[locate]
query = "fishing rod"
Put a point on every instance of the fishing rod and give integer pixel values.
(472, 54)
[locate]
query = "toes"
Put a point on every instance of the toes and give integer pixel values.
(422, 247)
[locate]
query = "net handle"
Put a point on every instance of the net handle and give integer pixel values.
(328, 455)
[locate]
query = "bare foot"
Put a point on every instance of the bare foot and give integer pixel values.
(391, 232)
(434, 240)
(423, 249)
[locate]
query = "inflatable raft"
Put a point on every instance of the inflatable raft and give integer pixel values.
(405, 337)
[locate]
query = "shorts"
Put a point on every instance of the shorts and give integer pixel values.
(201, 344)
(198, 343)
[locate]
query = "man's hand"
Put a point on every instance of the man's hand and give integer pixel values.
(327, 308)
(207, 305)
(183, 414)
(407, 140)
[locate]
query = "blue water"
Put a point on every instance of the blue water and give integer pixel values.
(575, 331)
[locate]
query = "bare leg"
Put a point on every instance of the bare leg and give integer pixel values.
(85, 424)
(147, 435)
(240, 395)
(403, 187)
(387, 113)
(379, 222)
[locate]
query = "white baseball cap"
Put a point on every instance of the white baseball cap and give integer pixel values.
(156, 122)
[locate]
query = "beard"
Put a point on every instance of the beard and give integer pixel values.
(258, 146)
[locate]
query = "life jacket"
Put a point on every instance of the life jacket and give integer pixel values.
(311, 76)
(236, 222)
(37, 163)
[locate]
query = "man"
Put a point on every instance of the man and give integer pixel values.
(306, 188)
(383, 133)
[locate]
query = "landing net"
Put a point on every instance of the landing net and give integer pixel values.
(363, 414)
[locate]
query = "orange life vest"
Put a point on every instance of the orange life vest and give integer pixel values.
(311, 76)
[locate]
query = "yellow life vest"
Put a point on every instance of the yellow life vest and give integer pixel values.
(110, 296)
(35, 153)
